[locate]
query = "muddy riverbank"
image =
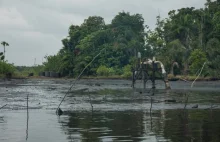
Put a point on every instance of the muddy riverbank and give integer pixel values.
(119, 113)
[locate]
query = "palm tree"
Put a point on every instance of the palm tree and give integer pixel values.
(1, 56)
(4, 44)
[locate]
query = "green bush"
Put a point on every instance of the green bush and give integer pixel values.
(118, 71)
(54, 63)
(111, 71)
(127, 71)
(102, 71)
(197, 59)
(6, 68)
(105, 71)
(25, 71)
(170, 76)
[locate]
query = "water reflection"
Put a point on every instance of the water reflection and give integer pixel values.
(103, 126)
(27, 119)
(160, 125)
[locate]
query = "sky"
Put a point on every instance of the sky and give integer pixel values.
(35, 28)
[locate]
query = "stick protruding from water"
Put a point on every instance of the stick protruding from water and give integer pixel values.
(78, 78)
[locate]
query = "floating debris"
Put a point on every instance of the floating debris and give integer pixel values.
(59, 111)
(195, 106)
(170, 101)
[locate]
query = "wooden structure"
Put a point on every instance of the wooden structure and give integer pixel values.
(145, 70)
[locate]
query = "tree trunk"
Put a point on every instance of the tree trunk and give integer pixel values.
(4, 53)
(171, 70)
(172, 67)
(186, 68)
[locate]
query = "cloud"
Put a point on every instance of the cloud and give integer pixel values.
(34, 28)
(28, 45)
(12, 19)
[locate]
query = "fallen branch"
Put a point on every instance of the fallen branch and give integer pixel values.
(3, 106)
(184, 80)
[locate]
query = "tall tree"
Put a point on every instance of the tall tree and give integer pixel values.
(2, 56)
(4, 44)
(182, 37)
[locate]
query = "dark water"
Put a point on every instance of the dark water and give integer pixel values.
(119, 112)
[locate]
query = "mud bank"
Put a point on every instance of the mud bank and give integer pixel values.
(119, 113)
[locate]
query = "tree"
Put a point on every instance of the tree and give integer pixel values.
(171, 53)
(197, 59)
(182, 25)
(128, 33)
(183, 37)
(54, 63)
(213, 55)
(155, 41)
(92, 24)
(4, 44)
(2, 57)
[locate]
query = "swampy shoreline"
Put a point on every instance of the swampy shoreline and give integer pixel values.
(120, 113)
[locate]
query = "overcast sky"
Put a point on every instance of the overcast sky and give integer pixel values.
(34, 28)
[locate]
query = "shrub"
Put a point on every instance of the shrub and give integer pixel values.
(25, 71)
(102, 71)
(127, 71)
(111, 71)
(118, 71)
(6, 68)
(170, 76)
(197, 59)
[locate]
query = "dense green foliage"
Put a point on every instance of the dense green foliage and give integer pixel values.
(117, 42)
(24, 71)
(104, 71)
(127, 71)
(188, 36)
(54, 63)
(197, 59)
(6, 68)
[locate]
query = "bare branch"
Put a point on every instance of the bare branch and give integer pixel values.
(198, 75)
(3, 106)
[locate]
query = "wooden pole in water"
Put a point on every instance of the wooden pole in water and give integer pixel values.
(166, 81)
(78, 78)
(27, 119)
(143, 77)
(153, 75)
(90, 101)
(133, 77)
